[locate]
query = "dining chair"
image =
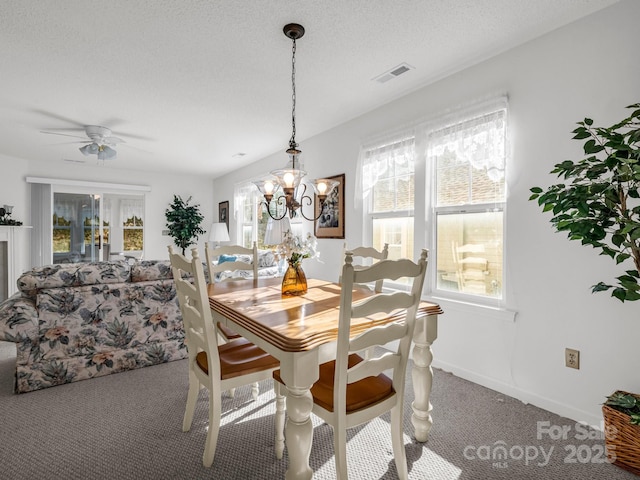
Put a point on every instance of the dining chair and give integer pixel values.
(225, 260)
(472, 267)
(231, 262)
(352, 390)
(214, 367)
(369, 254)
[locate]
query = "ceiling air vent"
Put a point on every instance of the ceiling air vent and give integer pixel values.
(393, 73)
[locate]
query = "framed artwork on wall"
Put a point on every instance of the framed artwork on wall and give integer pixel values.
(223, 213)
(330, 222)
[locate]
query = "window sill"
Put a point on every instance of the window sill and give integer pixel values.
(489, 312)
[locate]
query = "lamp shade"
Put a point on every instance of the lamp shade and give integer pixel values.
(274, 234)
(219, 232)
(91, 149)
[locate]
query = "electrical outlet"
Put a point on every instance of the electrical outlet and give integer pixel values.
(572, 358)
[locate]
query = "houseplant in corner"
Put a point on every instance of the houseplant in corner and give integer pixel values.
(599, 204)
(183, 222)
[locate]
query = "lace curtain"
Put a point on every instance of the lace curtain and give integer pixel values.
(376, 160)
(130, 208)
(478, 141)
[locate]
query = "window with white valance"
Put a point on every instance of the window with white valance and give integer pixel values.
(464, 155)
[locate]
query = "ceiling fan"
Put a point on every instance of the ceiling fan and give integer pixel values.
(100, 143)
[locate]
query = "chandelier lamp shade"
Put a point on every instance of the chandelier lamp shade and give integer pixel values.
(284, 184)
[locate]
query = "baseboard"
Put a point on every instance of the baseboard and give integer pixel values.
(594, 420)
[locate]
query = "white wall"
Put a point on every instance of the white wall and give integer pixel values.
(15, 191)
(590, 68)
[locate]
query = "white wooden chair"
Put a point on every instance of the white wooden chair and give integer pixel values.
(216, 268)
(216, 368)
(471, 267)
(353, 390)
(368, 254)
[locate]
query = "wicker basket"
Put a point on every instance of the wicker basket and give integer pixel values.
(622, 439)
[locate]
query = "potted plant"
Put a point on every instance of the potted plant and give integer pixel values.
(621, 414)
(599, 204)
(183, 222)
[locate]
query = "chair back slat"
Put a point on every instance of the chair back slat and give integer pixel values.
(191, 287)
(370, 252)
(212, 253)
(382, 303)
(387, 269)
(380, 335)
(373, 367)
(368, 255)
(379, 303)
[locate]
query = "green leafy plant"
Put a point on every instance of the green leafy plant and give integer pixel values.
(625, 403)
(600, 203)
(183, 222)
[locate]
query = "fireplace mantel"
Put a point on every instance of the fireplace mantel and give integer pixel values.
(14, 257)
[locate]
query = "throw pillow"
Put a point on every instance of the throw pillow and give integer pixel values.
(226, 258)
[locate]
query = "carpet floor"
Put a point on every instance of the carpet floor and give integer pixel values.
(128, 426)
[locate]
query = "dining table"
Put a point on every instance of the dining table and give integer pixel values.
(301, 332)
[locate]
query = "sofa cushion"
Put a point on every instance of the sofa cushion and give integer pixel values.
(88, 320)
(266, 258)
(18, 319)
(148, 270)
(72, 275)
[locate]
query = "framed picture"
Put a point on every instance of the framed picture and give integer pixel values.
(330, 222)
(223, 213)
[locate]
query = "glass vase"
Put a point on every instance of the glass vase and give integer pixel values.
(294, 281)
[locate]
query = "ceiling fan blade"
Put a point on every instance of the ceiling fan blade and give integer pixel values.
(63, 134)
(60, 117)
(112, 140)
(69, 143)
(134, 137)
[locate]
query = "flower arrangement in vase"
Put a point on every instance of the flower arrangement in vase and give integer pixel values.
(295, 248)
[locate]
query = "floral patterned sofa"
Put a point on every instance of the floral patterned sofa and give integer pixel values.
(77, 321)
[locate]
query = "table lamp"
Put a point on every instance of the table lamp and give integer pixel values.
(218, 233)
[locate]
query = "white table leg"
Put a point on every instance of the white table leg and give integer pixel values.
(425, 334)
(299, 433)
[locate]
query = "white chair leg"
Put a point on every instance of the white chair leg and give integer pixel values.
(279, 419)
(192, 398)
(255, 391)
(340, 450)
(397, 441)
(214, 429)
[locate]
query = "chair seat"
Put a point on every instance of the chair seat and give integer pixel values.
(227, 332)
(360, 394)
(239, 357)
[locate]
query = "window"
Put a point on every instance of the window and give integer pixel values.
(388, 183)
(467, 163)
(253, 218)
(464, 160)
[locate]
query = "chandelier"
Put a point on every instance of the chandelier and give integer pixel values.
(284, 184)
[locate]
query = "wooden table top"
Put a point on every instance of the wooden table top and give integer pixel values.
(294, 324)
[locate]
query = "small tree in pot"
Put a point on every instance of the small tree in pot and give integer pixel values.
(600, 203)
(183, 222)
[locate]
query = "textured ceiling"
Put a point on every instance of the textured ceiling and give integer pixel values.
(188, 84)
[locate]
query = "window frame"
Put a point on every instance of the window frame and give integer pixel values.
(426, 221)
(433, 210)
